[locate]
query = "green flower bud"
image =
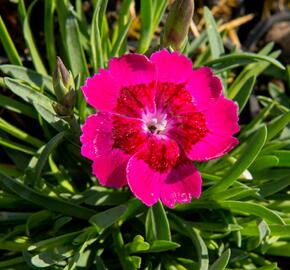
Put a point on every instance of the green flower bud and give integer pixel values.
(177, 24)
(62, 80)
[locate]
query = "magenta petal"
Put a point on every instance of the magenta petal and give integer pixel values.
(143, 181)
(109, 165)
(222, 123)
(181, 184)
(132, 69)
(110, 169)
(171, 67)
(101, 91)
(89, 130)
(204, 87)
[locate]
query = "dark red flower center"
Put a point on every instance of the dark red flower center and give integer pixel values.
(152, 116)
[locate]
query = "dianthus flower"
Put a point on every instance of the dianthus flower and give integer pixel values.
(155, 117)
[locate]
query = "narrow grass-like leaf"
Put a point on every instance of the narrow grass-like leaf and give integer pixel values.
(15, 106)
(75, 50)
(222, 261)
(184, 229)
(146, 26)
(36, 59)
(253, 209)
(121, 37)
(284, 158)
(159, 7)
(264, 162)
(17, 146)
(157, 226)
(279, 248)
(107, 218)
(39, 199)
(274, 186)
(249, 71)
(10, 170)
(215, 40)
(49, 8)
(277, 124)
(244, 94)
(28, 75)
(54, 241)
(43, 156)
(123, 18)
(161, 246)
(95, 40)
(8, 45)
(4, 264)
(233, 60)
(19, 134)
(41, 102)
(249, 154)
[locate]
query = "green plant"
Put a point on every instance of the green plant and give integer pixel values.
(55, 214)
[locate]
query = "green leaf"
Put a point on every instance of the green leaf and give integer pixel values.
(253, 209)
(277, 124)
(244, 94)
(12, 262)
(202, 253)
(29, 76)
(248, 72)
(36, 166)
(95, 40)
(41, 102)
(215, 41)
(234, 60)
(38, 64)
(161, 246)
(251, 151)
(222, 261)
(272, 187)
(8, 45)
(16, 146)
(137, 245)
(19, 134)
(17, 106)
(75, 50)
(49, 8)
(146, 17)
(39, 199)
(121, 37)
(284, 157)
(279, 248)
(264, 162)
(156, 225)
(107, 218)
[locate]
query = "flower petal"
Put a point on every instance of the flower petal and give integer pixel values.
(204, 87)
(222, 123)
(125, 79)
(147, 168)
(179, 184)
(171, 67)
(89, 130)
(101, 91)
(110, 169)
(109, 163)
(132, 69)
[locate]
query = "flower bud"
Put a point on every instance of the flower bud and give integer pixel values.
(62, 80)
(177, 24)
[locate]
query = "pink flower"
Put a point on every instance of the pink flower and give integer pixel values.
(156, 116)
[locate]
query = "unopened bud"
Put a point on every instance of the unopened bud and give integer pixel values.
(69, 99)
(62, 80)
(177, 24)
